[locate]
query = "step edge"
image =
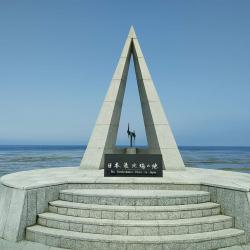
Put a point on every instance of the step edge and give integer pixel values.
(169, 208)
(119, 195)
(215, 235)
(135, 223)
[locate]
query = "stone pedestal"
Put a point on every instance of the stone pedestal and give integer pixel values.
(131, 150)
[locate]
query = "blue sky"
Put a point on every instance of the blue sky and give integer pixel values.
(57, 59)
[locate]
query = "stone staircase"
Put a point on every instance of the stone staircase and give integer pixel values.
(127, 219)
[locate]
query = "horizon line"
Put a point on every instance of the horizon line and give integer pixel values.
(121, 145)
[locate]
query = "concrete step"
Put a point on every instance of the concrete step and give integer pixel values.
(86, 241)
(134, 212)
(135, 227)
(134, 197)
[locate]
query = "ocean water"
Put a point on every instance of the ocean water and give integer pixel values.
(19, 158)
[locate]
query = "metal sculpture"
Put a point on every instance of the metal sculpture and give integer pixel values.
(132, 136)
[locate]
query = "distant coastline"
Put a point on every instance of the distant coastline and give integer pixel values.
(15, 158)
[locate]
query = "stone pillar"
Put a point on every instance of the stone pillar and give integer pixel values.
(159, 134)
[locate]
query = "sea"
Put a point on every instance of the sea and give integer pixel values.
(21, 158)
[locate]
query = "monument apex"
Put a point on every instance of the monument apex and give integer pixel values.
(158, 131)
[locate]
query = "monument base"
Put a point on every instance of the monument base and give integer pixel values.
(131, 150)
(76, 209)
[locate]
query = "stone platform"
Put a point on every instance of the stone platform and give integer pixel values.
(80, 209)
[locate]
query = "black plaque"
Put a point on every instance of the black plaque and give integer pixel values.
(133, 165)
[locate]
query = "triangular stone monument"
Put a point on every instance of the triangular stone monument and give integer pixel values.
(159, 134)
